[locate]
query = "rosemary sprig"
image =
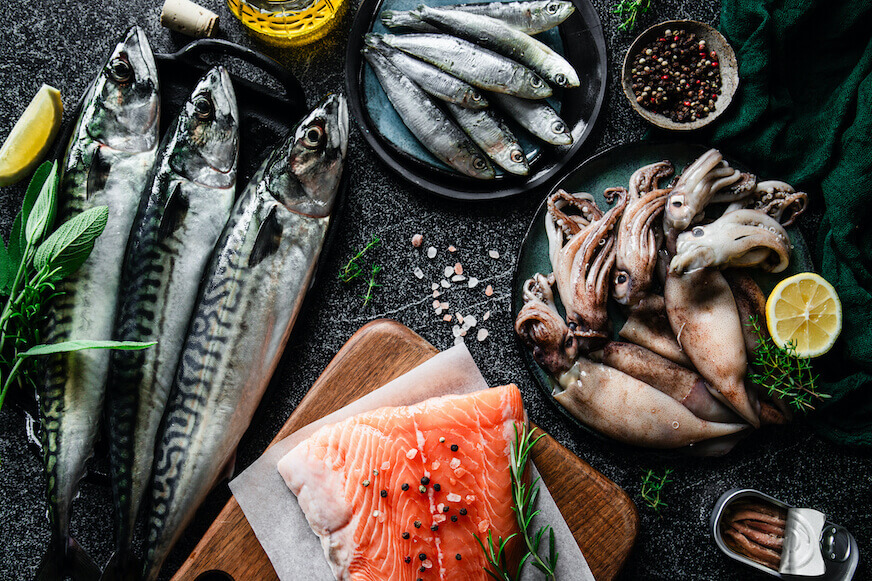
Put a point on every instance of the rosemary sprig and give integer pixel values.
(652, 486)
(629, 10)
(371, 284)
(782, 372)
(524, 497)
(352, 268)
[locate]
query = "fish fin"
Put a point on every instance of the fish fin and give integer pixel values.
(268, 238)
(98, 173)
(65, 558)
(229, 468)
(122, 567)
(174, 212)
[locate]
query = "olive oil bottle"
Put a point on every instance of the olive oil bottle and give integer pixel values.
(288, 22)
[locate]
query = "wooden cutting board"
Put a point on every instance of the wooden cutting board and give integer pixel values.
(602, 517)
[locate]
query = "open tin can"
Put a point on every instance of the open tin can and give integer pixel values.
(782, 540)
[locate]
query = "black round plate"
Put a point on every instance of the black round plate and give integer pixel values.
(583, 45)
(609, 168)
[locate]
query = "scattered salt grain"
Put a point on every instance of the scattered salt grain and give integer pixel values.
(444, 305)
(471, 320)
(436, 293)
(455, 463)
(455, 330)
(419, 273)
(459, 318)
(489, 290)
(458, 278)
(446, 318)
(434, 286)
(448, 271)
(431, 252)
(458, 268)
(493, 254)
(445, 283)
(435, 304)
(439, 311)
(486, 316)
(453, 497)
(452, 249)
(482, 334)
(412, 453)
(463, 332)
(473, 282)
(417, 240)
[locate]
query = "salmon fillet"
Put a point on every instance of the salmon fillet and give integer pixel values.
(396, 494)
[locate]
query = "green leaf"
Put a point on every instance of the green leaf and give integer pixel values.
(43, 212)
(17, 240)
(71, 244)
(83, 344)
(7, 271)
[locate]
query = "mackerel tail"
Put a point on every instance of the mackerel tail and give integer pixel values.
(251, 293)
(190, 198)
(107, 163)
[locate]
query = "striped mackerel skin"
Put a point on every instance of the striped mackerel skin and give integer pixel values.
(252, 291)
(189, 202)
(107, 163)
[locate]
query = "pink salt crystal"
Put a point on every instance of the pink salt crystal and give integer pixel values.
(439, 507)
(489, 290)
(439, 518)
(446, 318)
(417, 239)
(386, 465)
(458, 268)
(455, 463)
(453, 497)
(483, 526)
(452, 249)
(435, 465)
(470, 498)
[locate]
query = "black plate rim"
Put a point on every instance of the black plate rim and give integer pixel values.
(440, 182)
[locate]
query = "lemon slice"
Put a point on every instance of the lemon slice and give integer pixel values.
(32, 135)
(805, 309)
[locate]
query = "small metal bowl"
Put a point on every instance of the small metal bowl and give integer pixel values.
(715, 41)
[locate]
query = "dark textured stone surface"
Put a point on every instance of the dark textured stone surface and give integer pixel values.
(63, 42)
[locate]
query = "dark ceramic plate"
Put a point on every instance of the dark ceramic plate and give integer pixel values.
(614, 167)
(579, 39)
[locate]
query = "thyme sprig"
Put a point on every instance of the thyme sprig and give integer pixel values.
(652, 487)
(782, 372)
(352, 268)
(524, 497)
(371, 284)
(629, 10)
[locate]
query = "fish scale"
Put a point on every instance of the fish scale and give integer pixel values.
(190, 199)
(107, 162)
(252, 291)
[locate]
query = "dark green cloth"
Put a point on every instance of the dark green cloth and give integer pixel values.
(803, 114)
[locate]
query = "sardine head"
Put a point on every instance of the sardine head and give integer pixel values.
(559, 9)
(304, 177)
(124, 103)
(208, 132)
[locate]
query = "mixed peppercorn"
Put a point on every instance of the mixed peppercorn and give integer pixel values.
(677, 76)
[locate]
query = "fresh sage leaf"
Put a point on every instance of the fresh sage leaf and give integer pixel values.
(83, 344)
(7, 271)
(43, 212)
(71, 244)
(17, 241)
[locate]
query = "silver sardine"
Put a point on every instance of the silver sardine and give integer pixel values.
(528, 17)
(498, 36)
(494, 138)
(190, 198)
(537, 117)
(107, 162)
(477, 66)
(432, 80)
(252, 290)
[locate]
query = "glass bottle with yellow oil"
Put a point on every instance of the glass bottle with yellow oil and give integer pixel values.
(288, 22)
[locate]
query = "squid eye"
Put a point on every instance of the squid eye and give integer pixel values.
(120, 70)
(203, 107)
(517, 156)
(678, 201)
(560, 79)
(313, 137)
(536, 82)
(621, 278)
(478, 163)
(698, 232)
(558, 127)
(551, 8)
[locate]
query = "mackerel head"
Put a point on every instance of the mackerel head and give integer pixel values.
(107, 162)
(190, 197)
(251, 293)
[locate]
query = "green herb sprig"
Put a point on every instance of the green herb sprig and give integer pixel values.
(652, 487)
(524, 497)
(629, 10)
(31, 265)
(371, 284)
(352, 268)
(782, 372)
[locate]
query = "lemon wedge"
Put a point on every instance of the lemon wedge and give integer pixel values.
(804, 309)
(31, 136)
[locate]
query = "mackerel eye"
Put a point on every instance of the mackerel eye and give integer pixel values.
(313, 137)
(478, 163)
(120, 70)
(536, 82)
(698, 232)
(203, 107)
(558, 127)
(551, 8)
(516, 156)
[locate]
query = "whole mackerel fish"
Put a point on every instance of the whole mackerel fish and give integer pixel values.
(192, 191)
(253, 288)
(107, 162)
(530, 17)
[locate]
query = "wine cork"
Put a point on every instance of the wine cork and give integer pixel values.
(188, 18)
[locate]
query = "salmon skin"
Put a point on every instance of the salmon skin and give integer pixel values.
(192, 191)
(398, 493)
(107, 162)
(252, 291)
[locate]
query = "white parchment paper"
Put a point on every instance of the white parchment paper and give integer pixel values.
(279, 523)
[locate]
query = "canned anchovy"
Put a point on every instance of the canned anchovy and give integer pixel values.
(781, 540)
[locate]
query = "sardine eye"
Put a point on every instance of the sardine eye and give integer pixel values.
(478, 163)
(558, 127)
(698, 232)
(203, 107)
(120, 70)
(551, 8)
(536, 82)
(476, 96)
(313, 137)
(560, 79)
(516, 156)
